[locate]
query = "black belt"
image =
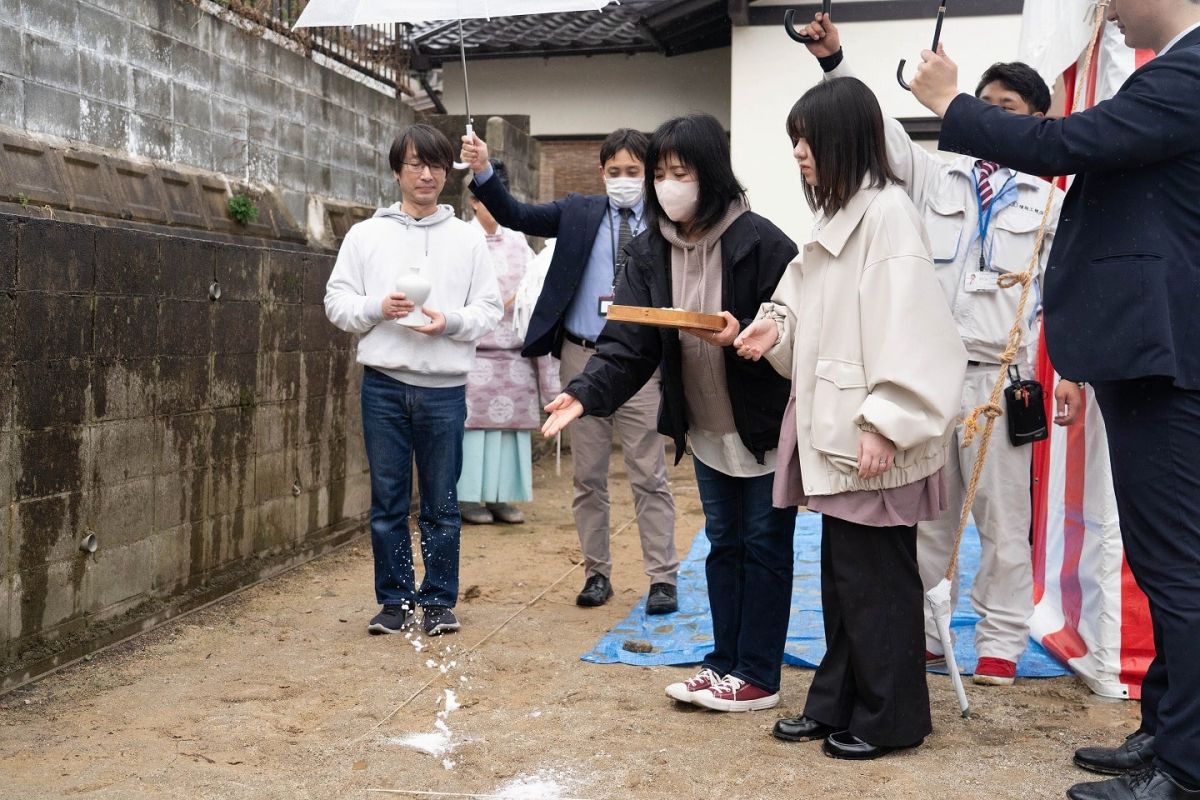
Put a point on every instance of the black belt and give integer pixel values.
(584, 343)
(981, 364)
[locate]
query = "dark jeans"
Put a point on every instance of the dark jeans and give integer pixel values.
(872, 678)
(749, 571)
(399, 421)
(1154, 445)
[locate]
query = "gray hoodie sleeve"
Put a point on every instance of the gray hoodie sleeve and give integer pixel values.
(484, 308)
(346, 303)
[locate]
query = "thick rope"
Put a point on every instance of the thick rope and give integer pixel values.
(993, 410)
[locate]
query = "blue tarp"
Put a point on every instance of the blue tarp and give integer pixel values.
(686, 636)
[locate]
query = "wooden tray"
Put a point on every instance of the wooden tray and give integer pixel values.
(666, 317)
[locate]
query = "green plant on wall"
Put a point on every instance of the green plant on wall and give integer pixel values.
(242, 209)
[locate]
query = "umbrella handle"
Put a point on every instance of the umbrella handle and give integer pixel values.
(937, 38)
(463, 164)
(789, 23)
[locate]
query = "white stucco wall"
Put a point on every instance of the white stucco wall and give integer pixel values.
(770, 72)
(593, 95)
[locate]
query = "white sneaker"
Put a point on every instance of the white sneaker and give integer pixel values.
(734, 694)
(683, 691)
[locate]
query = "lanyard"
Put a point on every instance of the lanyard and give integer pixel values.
(985, 220)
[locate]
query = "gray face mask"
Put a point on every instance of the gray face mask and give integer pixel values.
(624, 192)
(679, 199)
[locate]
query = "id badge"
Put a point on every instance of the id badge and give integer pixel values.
(979, 281)
(602, 304)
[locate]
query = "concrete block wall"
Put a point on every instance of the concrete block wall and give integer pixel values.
(200, 441)
(165, 80)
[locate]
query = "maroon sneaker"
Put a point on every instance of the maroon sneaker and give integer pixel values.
(995, 672)
(684, 691)
(934, 659)
(734, 694)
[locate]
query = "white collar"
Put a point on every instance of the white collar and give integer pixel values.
(1178, 39)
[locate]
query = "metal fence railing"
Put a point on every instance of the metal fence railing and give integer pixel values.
(377, 51)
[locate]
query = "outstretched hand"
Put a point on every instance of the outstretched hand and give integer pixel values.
(563, 410)
(755, 341)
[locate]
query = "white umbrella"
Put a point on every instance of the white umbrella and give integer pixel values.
(332, 13)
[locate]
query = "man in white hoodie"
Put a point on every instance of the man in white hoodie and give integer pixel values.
(414, 380)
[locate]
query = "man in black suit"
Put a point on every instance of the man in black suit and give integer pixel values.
(1122, 296)
(591, 232)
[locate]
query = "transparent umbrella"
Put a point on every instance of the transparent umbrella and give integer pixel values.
(332, 13)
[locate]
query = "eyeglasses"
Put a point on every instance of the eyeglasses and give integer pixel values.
(417, 167)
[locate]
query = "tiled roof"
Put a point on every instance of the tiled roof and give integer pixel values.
(668, 26)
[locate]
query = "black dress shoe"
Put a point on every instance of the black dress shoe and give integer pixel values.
(596, 592)
(844, 744)
(801, 729)
(662, 599)
(1136, 752)
(1148, 784)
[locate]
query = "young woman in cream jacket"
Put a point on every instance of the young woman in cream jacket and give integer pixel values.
(860, 326)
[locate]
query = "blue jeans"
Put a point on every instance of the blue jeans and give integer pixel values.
(399, 421)
(749, 571)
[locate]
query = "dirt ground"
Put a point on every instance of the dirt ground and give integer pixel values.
(280, 693)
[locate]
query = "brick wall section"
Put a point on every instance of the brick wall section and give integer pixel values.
(570, 166)
(197, 439)
(165, 80)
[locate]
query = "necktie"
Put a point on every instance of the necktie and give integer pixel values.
(624, 234)
(986, 168)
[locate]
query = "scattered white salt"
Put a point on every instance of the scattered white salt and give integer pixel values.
(451, 701)
(430, 663)
(435, 744)
(544, 785)
(535, 714)
(447, 763)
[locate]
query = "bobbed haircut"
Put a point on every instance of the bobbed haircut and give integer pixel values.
(623, 139)
(428, 144)
(1020, 78)
(843, 125)
(701, 145)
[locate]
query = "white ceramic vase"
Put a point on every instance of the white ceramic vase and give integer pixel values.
(416, 287)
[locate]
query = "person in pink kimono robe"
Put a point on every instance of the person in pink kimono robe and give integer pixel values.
(505, 393)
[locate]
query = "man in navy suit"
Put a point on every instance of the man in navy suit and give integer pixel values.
(591, 233)
(1121, 312)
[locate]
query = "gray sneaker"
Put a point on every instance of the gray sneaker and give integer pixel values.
(506, 513)
(392, 619)
(438, 620)
(475, 514)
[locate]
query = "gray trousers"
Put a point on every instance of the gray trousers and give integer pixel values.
(645, 461)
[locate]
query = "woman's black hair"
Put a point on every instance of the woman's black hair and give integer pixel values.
(1022, 79)
(701, 145)
(429, 145)
(843, 125)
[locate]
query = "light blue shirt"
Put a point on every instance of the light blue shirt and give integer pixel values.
(583, 314)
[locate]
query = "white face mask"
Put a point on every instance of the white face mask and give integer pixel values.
(624, 192)
(679, 200)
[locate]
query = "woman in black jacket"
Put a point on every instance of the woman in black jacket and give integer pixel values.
(704, 250)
